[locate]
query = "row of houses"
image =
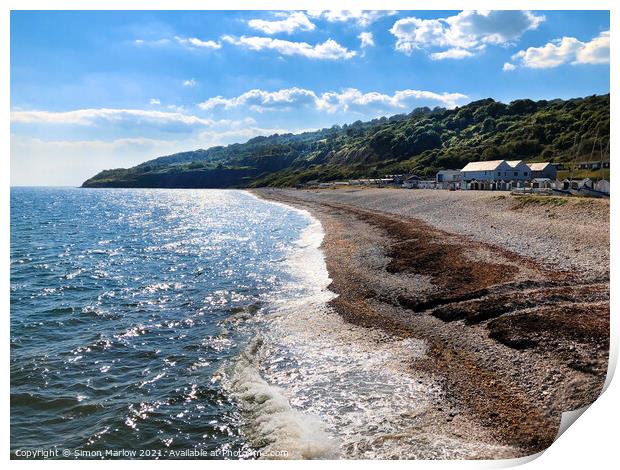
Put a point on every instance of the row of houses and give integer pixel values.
(504, 175)
(388, 180)
(534, 185)
(507, 170)
(494, 175)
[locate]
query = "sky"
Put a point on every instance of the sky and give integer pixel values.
(99, 90)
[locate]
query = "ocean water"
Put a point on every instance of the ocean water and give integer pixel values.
(119, 307)
(195, 324)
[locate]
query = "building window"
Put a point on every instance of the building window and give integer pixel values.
(516, 173)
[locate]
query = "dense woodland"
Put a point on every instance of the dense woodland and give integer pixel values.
(420, 142)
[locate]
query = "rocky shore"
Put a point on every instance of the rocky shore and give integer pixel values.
(510, 294)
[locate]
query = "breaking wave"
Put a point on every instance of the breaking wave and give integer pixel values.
(274, 426)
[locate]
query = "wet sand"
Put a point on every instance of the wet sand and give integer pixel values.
(510, 295)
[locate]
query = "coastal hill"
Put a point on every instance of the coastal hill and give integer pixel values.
(420, 142)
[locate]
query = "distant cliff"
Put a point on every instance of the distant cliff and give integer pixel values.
(421, 142)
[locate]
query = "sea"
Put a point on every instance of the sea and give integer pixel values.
(161, 323)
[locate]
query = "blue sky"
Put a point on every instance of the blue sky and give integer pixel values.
(98, 90)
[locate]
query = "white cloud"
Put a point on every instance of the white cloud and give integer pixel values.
(468, 31)
(550, 55)
(291, 23)
(366, 40)
(349, 99)
(261, 100)
(328, 50)
(508, 67)
(157, 42)
(154, 101)
(352, 99)
(362, 18)
(596, 51)
(195, 43)
(563, 51)
(189, 43)
(455, 53)
(190, 83)
(98, 116)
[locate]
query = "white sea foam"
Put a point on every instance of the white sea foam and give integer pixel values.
(274, 426)
(319, 387)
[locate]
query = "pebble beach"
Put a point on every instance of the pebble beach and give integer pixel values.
(509, 294)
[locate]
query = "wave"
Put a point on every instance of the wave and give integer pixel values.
(274, 426)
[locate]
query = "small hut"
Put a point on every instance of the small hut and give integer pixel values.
(602, 186)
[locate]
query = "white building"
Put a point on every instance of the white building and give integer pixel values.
(495, 175)
(520, 171)
(448, 179)
(491, 170)
(543, 170)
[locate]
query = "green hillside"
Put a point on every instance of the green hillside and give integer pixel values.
(420, 142)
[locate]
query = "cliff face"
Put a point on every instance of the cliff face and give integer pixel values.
(173, 178)
(422, 142)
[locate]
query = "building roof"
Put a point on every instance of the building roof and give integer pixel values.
(482, 166)
(514, 163)
(538, 166)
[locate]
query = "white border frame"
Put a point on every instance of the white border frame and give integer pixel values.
(591, 442)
